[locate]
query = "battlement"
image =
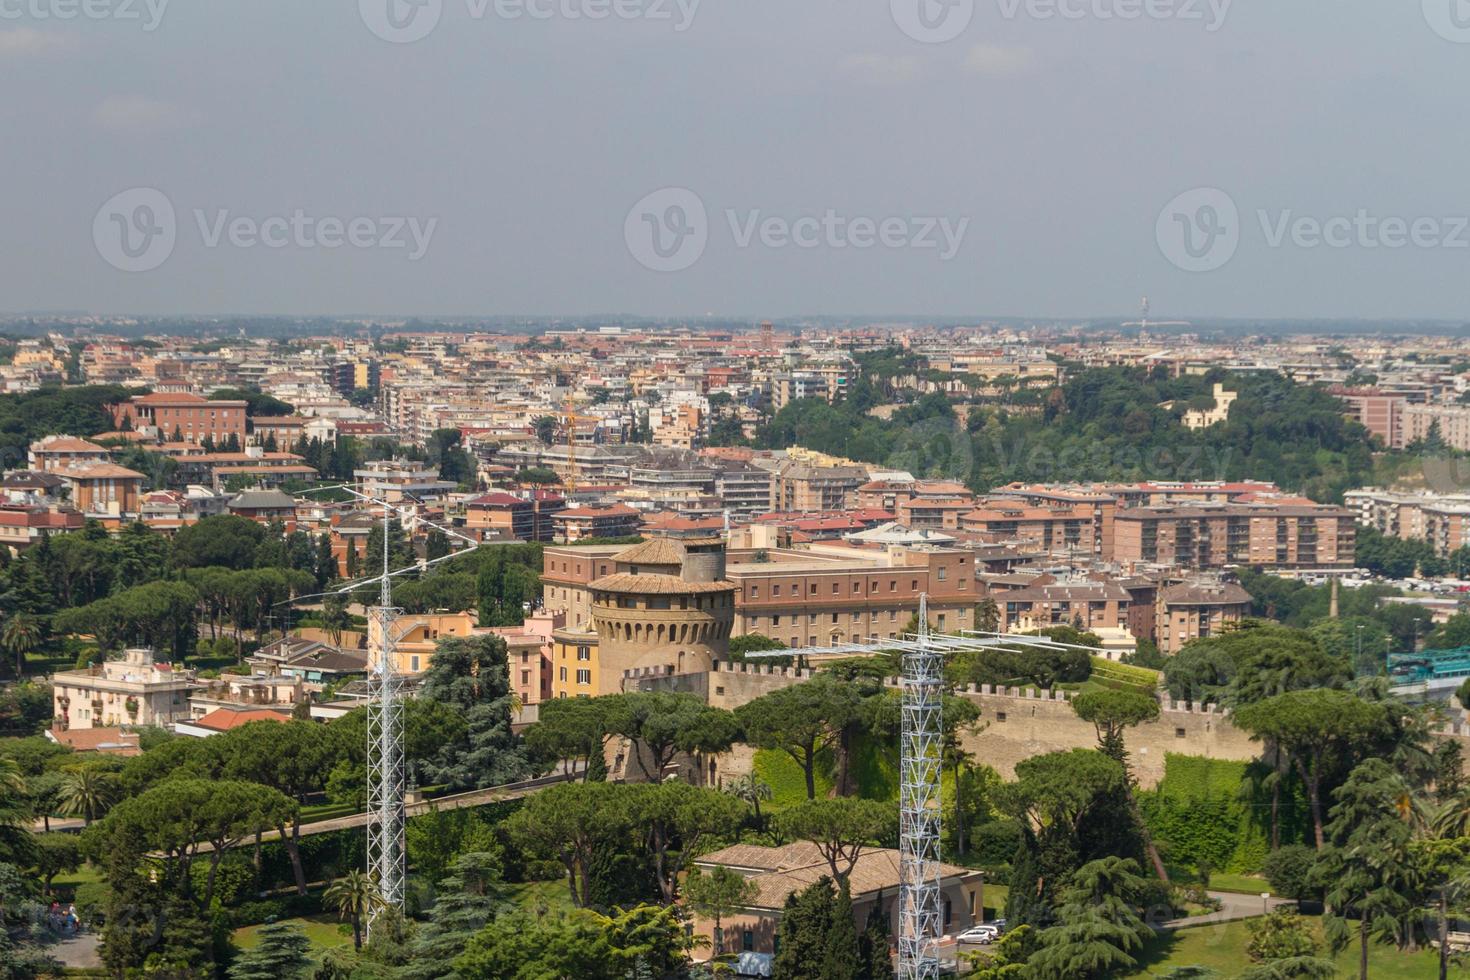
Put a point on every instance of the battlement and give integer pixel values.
(797, 673)
(659, 670)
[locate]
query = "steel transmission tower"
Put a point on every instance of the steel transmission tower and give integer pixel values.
(387, 777)
(921, 750)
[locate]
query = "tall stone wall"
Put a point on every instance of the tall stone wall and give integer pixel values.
(1018, 724)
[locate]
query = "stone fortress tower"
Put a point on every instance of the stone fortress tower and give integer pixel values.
(666, 604)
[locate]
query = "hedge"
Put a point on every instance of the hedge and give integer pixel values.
(1198, 813)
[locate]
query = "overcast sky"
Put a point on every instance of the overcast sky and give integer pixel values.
(826, 157)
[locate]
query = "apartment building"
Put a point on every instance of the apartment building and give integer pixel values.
(577, 523)
(136, 690)
(60, 452)
(1083, 527)
(802, 486)
(1452, 422)
(190, 417)
(1192, 610)
(1272, 535)
(504, 516)
(1443, 520)
(1084, 603)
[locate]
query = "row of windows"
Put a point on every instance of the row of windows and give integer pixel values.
(857, 587)
(583, 676)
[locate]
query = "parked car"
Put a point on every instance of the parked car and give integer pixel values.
(982, 934)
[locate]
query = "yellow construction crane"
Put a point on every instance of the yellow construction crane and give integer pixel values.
(570, 482)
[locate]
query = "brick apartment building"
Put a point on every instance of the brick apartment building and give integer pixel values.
(191, 417)
(1276, 535)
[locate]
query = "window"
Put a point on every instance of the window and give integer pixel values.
(776, 620)
(525, 677)
(1000, 716)
(775, 590)
(584, 677)
(835, 588)
(584, 653)
(943, 573)
(563, 675)
(892, 585)
(941, 622)
(755, 591)
(813, 589)
(834, 618)
(747, 941)
(413, 662)
(1179, 733)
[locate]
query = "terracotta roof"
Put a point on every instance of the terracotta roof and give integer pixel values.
(100, 471)
(113, 741)
(796, 866)
(223, 719)
(65, 444)
(657, 585)
(615, 510)
(654, 551)
(1204, 594)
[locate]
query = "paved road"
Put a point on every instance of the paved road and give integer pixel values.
(78, 952)
(478, 797)
(1235, 907)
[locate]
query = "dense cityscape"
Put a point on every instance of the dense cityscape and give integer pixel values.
(749, 490)
(1197, 604)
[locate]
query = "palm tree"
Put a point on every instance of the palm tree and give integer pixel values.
(355, 895)
(752, 791)
(87, 792)
(19, 636)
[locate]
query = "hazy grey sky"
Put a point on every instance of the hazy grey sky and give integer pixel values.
(1036, 150)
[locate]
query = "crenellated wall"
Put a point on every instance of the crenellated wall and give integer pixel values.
(1017, 723)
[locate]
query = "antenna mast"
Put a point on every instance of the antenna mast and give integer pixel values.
(387, 782)
(920, 911)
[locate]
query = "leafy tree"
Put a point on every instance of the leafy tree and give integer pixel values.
(20, 635)
(88, 792)
(674, 812)
(1367, 868)
(1252, 662)
(717, 893)
(469, 897)
(471, 676)
(293, 758)
(356, 897)
(802, 938)
(1098, 929)
(1319, 730)
(840, 828)
(664, 723)
(571, 731)
(1289, 870)
(1067, 803)
(747, 643)
(752, 790)
(1112, 712)
(280, 953)
(56, 854)
(572, 822)
(1283, 934)
(801, 720)
(224, 540)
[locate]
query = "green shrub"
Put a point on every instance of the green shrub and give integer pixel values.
(995, 843)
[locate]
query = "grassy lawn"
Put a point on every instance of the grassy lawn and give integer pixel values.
(326, 811)
(1222, 947)
(325, 932)
(1243, 884)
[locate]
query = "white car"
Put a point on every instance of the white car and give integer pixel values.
(979, 934)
